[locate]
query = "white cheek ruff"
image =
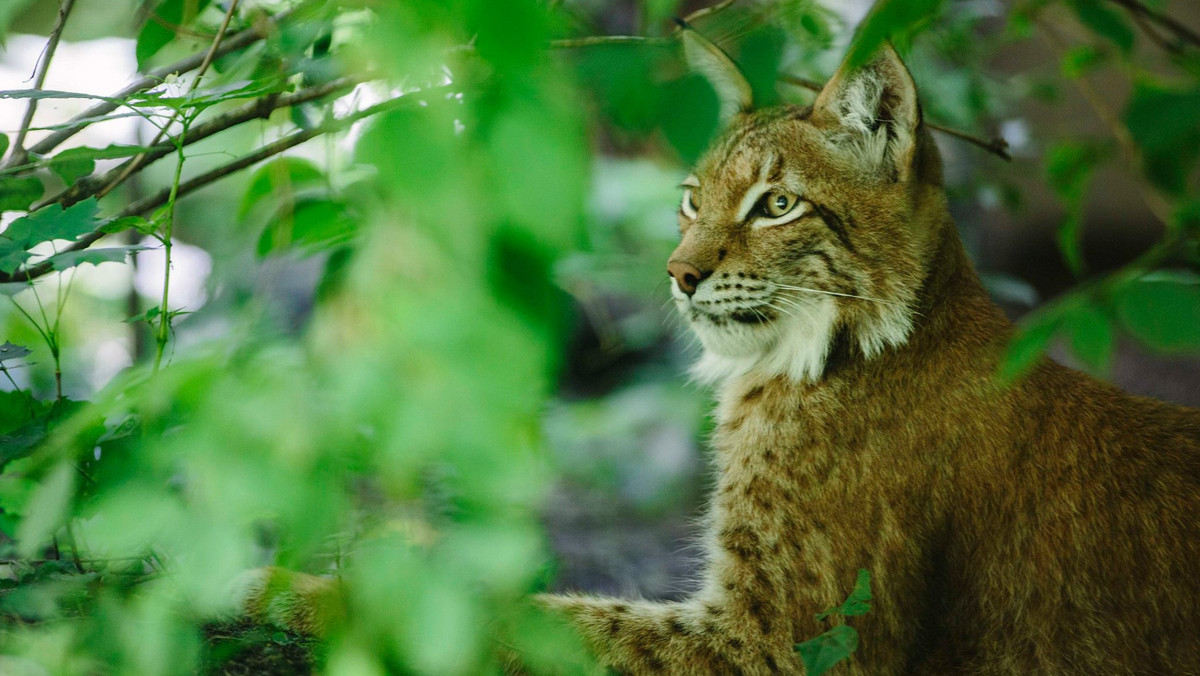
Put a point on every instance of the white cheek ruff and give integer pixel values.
(793, 346)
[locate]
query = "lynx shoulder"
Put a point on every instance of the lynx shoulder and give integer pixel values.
(1049, 526)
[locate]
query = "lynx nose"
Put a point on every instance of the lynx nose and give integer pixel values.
(686, 275)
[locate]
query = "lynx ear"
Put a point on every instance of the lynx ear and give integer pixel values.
(874, 108)
(704, 57)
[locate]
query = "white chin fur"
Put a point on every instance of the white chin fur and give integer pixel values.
(796, 347)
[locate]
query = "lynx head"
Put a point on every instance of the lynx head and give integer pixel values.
(805, 225)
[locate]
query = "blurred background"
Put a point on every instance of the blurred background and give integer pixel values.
(438, 336)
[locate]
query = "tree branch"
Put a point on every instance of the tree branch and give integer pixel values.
(996, 146)
(1181, 32)
(261, 108)
(18, 154)
(152, 202)
(155, 77)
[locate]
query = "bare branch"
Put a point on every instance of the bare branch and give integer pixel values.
(996, 146)
(18, 153)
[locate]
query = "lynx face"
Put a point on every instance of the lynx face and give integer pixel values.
(797, 229)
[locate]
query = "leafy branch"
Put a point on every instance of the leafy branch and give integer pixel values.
(232, 43)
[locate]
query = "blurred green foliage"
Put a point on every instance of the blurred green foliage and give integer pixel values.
(476, 177)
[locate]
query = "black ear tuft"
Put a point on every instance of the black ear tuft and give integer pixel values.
(874, 107)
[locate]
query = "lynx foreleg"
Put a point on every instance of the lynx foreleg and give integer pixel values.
(305, 604)
(691, 637)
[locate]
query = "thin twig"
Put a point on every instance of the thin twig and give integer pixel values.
(18, 153)
(595, 40)
(997, 145)
(1180, 31)
(155, 77)
(139, 161)
(708, 11)
(1158, 205)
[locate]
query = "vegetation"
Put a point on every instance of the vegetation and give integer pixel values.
(434, 180)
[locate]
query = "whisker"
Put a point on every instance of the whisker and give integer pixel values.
(836, 293)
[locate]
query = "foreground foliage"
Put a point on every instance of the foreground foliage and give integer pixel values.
(395, 437)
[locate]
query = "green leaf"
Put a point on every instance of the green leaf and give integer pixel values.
(3, 144)
(895, 20)
(822, 653)
(1104, 21)
(1069, 169)
(69, 259)
(21, 441)
(10, 351)
(1080, 60)
(859, 600)
(1090, 335)
(53, 222)
(71, 167)
(156, 33)
(1069, 238)
(150, 313)
(18, 192)
(75, 162)
(281, 179)
(1026, 347)
(137, 223)
(1166, 124)
(13, 288)
(1162, 309)
(47, 510)
(9, 10)
(12, 256)
(314, 225)
(690, 134)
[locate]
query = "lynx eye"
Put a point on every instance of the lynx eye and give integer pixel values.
(691, 201)
(776, 204)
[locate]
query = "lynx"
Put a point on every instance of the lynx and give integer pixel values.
(1043, 527)
(1047, 527)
